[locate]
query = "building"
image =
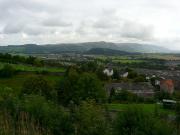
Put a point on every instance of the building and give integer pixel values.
(167, 86)
(108, 71)
(144, 89)
(125, 75)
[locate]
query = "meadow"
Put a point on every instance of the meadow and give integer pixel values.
(23, 67)
(149, 108)
(17, 81)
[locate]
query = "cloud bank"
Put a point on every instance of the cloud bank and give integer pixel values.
(59, 21)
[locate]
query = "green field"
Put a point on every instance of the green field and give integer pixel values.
(150, 108)
(122, 59)
(16, 81)
(127, 61)
(34, 68)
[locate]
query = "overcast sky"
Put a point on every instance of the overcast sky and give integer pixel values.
(62, 21)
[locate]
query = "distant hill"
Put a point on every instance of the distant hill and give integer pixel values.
(81, 48)
(106, 51)
(143, 48)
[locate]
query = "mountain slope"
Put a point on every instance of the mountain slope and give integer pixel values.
(82, 47)
(143, 48)
(106, 51)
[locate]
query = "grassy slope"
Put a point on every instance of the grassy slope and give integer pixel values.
(146, 107)
(16, 81)
(33, 68)
(127, 61)
(122, 59)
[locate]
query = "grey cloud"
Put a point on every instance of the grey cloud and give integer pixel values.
(85, 27)
(137, 31)
(109, 24)
(105, 24)
(56, 22)
(107, 20)
(32, 5)
(117, 28)
(34, 30)
(89, 20)
(13, 28)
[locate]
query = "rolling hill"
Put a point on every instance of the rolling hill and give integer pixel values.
(106, 51)
(81, 48)
(142, 48)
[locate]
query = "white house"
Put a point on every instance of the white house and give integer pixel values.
(125, 75)
(108, 71)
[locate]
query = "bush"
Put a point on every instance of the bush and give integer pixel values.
(21, 125)
(75, 88)
(38, 85)
(135, 121)
(7, 71)
(90, 87)
(90, 119)
(140, 78)
(49, 115)
(132, 75)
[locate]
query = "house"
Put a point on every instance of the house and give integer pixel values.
(147, 78)
(108, 71)
(167, 85)
(157, 82)
(144, 89)
(125, 75)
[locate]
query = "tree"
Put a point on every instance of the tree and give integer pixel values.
(140, 78)
(178, 117)
(90, 119)
(89, 66)
(160, 95)
(30, 60)
(112, 95)
(7, 71)
(132, 74)
(101, 75)
(90, 87)
(66, 88)
(116, 74)
(77, 87)
(162, 127)
(50, 116)
(38, 85)
(128, 122)
(135, 121)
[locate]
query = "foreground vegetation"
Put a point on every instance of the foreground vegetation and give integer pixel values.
(38, 103)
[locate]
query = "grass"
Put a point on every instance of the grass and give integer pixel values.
(140, 56)
(127, 61)
(150, 108)
(34, 68)
(122, 59)
(16, 81)
(23, 125)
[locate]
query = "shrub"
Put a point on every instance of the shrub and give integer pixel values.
(49, 115)
(90, 119)
(135, 121)
(38, 85)
(22, 125)
(7, 71)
